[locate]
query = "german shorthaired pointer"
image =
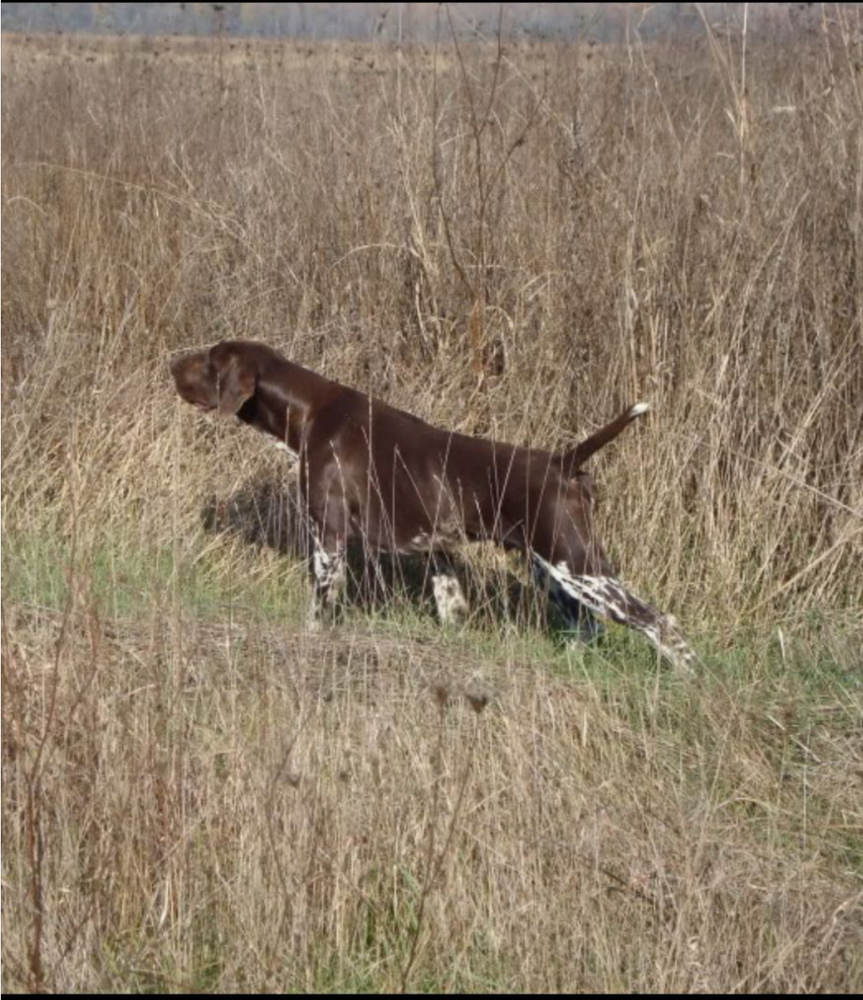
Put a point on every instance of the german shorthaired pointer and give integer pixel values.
(371, 470)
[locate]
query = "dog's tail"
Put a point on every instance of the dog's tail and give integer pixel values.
(577, 456)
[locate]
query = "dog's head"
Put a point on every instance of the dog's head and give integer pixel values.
(221, 378)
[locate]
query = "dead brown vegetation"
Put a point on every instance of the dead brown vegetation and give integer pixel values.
(514, 242)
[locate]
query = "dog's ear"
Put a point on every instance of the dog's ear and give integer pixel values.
(235, 384)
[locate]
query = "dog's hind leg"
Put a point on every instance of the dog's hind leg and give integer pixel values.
(607, 596)
(583, 627)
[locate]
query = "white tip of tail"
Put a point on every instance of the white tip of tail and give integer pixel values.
(638, 409)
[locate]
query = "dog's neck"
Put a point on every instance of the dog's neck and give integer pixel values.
(284, 406)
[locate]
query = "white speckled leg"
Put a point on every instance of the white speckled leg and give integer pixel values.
(452, 606)
(607, 596)
(329, 583)
(582, 625)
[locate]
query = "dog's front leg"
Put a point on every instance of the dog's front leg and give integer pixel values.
(452, 606)
(328, 565)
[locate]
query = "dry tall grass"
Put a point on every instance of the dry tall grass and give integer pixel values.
(197, 795)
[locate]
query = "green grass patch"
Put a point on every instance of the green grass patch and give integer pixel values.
(123, 580)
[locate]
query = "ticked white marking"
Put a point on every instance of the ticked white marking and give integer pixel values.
(607, 596)
(449, 598)
(330, 580)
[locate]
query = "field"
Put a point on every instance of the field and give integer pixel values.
(201, 795)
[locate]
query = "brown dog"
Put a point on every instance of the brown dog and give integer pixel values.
(371, 470)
